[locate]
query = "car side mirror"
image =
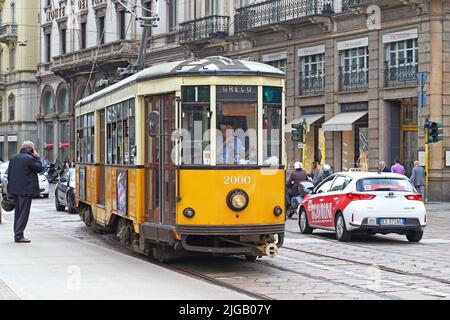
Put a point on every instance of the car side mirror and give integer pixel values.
(153, 123)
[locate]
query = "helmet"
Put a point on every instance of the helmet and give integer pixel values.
(298, 165)
(8, 203)
(326, 167)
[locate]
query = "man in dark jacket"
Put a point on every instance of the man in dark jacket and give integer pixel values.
(382, 167)
(23, 184)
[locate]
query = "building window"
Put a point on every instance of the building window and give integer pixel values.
(147, 9)
(312, 76)
(12, 107)
(122, 24)
(64, 140)
(1, 109)
(101, 30)
(85, 138)
(63, 39)
(48, 144)
(63, 100)
(49, 103)
(279, 64)
(13, 13)
(401, 61)
(120, 133)
(48, 47)
(12, 59)
(211, 7)
(353, 71)
(12, 146)
(172, 15)
(83, 35)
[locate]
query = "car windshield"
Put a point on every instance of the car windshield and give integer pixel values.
(384, 184)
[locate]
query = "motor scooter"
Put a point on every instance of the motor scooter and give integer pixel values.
(304, 188)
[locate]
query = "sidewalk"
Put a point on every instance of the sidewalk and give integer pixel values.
(54, 266)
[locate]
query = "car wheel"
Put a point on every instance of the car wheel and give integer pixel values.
(71, 204)
(57, 205)
(414, 236)
(305, 228)
(341, 230)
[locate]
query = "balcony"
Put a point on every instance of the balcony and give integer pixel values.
(353, 79)
(2, 81)
(279, 11)
(109, 56)
(8, 33)
(399, 71)
(311, 84)
(204, 30)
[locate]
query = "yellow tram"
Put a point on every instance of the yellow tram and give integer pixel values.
(186, 156)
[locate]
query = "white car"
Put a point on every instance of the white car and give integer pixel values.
(368, 202)
(43, 184)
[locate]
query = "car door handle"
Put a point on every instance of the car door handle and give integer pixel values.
(321, 200)
(335, 198)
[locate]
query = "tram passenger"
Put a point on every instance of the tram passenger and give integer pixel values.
(230, 149)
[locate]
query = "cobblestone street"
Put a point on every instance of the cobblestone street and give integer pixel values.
(307, 267)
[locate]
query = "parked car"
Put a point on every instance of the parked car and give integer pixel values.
(348, 202)
(65, 192)
(43, 184)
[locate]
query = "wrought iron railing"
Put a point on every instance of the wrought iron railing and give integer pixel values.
(353, 78)
(276, 11)
(311, 83)
(400, 70)
(204, 29)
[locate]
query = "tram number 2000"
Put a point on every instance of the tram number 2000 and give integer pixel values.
(237, 180)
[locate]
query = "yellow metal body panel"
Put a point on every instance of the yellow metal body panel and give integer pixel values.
(206, 191)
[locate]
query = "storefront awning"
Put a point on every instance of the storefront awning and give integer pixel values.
(343, 121)
(309, 118)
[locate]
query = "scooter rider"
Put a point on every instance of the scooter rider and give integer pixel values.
(295, 178)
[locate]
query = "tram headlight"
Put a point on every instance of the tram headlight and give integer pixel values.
(237, 200)
(277, 211)
(189, 213)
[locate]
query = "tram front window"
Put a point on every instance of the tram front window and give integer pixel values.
(236, 140)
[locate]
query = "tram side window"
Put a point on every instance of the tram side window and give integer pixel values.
(196, 123)
(237, 125)
(120, 133)
(85, 138)
(272, 125)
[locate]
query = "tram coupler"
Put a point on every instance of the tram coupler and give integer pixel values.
(270, 249)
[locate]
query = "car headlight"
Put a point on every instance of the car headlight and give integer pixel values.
(237, 200)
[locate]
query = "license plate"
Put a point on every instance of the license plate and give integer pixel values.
(392, 221)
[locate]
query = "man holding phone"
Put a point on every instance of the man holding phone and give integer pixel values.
(23, 184)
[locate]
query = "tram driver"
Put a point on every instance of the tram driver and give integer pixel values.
(230, 149)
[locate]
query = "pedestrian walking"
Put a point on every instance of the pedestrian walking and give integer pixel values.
(315, 173)
(326, 172)
(418, 178)
(23, 184)
(382, 167)
(398, 168)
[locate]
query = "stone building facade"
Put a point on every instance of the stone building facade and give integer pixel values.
(18, 86)
(351, 68)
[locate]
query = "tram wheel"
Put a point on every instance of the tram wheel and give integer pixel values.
(159, 253)
(124, 232)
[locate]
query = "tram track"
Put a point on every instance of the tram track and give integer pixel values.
(367, 264)
(185, 271)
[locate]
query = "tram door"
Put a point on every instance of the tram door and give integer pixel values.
(159, 168)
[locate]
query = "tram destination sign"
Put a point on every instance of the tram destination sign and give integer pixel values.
(237, 93)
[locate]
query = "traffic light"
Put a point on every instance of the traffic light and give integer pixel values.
(434, 132)
(298, 132)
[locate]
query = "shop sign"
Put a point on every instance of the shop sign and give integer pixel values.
(355, 107)
(55, 13)
(48, 145)
(400, 35)
(237, 93)
(274, 56)
(311, 50)
(312, 110)
(354, 43)
(64, 144)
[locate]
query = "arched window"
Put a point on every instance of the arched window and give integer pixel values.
(63, 100)
(83, 91)
(48, 102)
(12, 107)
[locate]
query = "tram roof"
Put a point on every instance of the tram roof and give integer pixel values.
(215, 65)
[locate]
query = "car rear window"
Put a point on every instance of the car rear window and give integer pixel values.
(384, 184)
